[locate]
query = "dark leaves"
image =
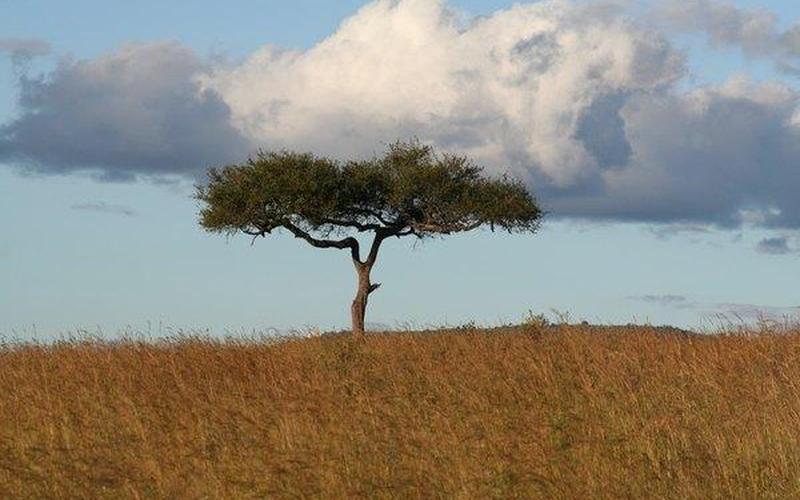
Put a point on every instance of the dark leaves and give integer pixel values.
(409, 190)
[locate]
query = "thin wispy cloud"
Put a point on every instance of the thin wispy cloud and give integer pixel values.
(22, 50)
(106, 208)
(753, 312)
(778, 245)
(666, 231)
(712, 310)
(756, 32)
(589, 104)
(669, 300)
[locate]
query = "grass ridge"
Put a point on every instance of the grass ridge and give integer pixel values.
(515, 412)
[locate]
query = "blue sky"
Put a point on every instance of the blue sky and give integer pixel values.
(79, 253)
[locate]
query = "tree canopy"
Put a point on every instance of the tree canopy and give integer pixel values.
(411, 190)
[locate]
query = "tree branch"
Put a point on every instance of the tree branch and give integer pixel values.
(355, 225)
(255, 234)
(350, 242)
(406, 232)
(380, 235)
(376, 214)
(444, 228)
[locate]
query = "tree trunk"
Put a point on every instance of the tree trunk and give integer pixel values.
(359, 308)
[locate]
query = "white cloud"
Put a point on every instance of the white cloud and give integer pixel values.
(509, 89)
(581, 101)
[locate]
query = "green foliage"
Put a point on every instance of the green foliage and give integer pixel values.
(410, 190)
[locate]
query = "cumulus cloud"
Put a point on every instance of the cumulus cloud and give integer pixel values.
(586, 103)
(136, 112)
(724, 155)
(778, 245)
(584, 107)
(526, 87)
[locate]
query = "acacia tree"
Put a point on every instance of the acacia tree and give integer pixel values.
(409, 191)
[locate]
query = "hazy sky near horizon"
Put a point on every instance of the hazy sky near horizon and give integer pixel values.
(661, 136)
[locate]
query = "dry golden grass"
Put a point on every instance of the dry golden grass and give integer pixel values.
(573, 412)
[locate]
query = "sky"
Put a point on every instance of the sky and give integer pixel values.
(660, 136)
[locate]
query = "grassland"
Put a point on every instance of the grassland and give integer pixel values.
(567, 412)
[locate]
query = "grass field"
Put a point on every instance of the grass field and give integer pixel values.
(536, 412)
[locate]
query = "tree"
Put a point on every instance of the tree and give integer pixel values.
(409, 191)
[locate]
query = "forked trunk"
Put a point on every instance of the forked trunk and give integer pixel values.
(359, 308)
